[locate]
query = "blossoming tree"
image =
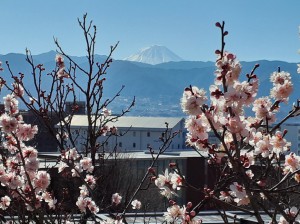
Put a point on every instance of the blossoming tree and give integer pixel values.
(25, 190)
(256, 173)
(255, 170)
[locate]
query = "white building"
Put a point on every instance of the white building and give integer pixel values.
(135, 133)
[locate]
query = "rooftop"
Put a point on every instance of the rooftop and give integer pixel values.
(133, 122)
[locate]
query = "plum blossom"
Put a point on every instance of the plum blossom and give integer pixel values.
(166, 185)
(279, 143)
(84, 191)
(86, 202)
(198, 127)
(8, 124)
(81, 204)
(292, 212)
(262, 108)
(106, 112)
(26, 132)
(282, 86)
(250, 174)
(5, 202)
(49, 200)
(41, 181)
(11, 104)
(229, 68)
(61, 73)
(292, 162)
(136, 204)
(90, 180)
(62, 136)
(192, 100)
(86, 164)
(116, 199)
(225, 196)
(239, 194)
(175, 214)
(18, 90)
(71, 154)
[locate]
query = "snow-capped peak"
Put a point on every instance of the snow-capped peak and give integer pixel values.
(154, 55)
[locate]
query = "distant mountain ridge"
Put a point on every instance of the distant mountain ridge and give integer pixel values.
(158, 88)
(153, 55)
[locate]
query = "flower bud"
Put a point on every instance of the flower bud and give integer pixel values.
(218, 24)
(189, 205)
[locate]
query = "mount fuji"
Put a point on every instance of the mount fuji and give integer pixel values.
(154, 55)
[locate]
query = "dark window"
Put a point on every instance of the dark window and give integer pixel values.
(120, 144)
(133, 145)
(148, 134)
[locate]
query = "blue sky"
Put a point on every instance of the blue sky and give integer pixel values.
(258, 29)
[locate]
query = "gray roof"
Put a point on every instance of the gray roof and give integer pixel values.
(134, 122)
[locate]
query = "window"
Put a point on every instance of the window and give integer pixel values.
(178, 146)
(133, 145)
(120, 144)
(148, 134)
(134, 134)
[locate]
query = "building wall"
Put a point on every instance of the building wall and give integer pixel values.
(133, 139)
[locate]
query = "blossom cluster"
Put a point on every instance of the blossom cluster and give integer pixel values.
(19, 170)
(168, 183)
(243, 140)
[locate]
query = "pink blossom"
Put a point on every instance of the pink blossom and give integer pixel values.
(116, 199)
(282, 92)
(263, 146)
(84, 192)
(282, 85)
(18, 90)
(165, 184)
(59, 59)
(225, 196)
(49, 200)
(136, 204)
(198, 127)
(11, 104)
(32, 165)
(239, 194)
(279, 143)
(90, 180)
(81, 204)
(71, 154)
(175, 213)
(93, 207)
(86, 164)
(42, 181)
(229, 68)
(292, 162)
(192, 100)
(8, 124)
(5, 202)
(26, 132)
(250, 174)
(106, 112)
